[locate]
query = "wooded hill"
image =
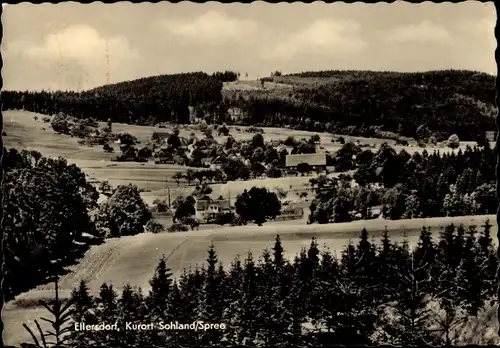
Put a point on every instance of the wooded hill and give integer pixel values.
(362, 103)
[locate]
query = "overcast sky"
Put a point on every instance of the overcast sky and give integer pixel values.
(76, 46)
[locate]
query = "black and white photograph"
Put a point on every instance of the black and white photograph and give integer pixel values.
(182, 174)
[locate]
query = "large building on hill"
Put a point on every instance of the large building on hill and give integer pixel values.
(317, 161)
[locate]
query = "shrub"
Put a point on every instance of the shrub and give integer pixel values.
(160, 205)
(176, 227)
(224, 218)
(46, 119)
(432, 140)
(190, 221)
(35, 118)
(290, 141)
(223, 131)
(127, 139)
(341, 140)
(153, 226)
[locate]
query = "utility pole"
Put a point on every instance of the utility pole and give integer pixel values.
(168, 192)
(108, 73)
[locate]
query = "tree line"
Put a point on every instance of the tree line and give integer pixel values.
(369, 293)
(149, 100)
(349, 102)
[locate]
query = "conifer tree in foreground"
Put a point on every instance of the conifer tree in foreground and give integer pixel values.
(159, 300)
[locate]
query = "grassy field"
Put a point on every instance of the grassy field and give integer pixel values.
(133, 259)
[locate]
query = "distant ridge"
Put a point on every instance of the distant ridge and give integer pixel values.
(364, 103)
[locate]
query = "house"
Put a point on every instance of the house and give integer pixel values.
(290, 212)
(315, 160)
(206, 207)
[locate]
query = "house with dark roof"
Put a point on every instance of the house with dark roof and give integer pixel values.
(317, 161)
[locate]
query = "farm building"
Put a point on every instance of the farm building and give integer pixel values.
(315, 160)
(205, 207)
(290, 212)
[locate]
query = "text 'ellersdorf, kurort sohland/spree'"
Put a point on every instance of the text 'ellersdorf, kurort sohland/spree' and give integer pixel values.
(133, 326)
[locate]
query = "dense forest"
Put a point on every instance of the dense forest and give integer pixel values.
(344, 102)
(386, 293)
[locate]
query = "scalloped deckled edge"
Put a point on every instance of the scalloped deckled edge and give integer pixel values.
(497, 119)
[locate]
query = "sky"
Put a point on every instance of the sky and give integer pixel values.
(72, 46)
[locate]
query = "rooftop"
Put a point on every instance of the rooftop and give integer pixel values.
(313, 159)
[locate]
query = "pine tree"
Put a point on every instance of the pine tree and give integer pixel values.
(446, 242)
(211, 310)
(472, 291)
(385, 286)
(425, 252)
(488, 259)
(324, 295)
(279, 258)
(449, 283)
(158, 299)
(127, 306)
(246, 319)
(233, 294)
(108, 312)
(348, 260)
(178, 311)
(407, 316)
(365, 261)
(272, 315)
(459, 244)
(83, 312)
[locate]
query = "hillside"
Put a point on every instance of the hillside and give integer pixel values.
(362, 103)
